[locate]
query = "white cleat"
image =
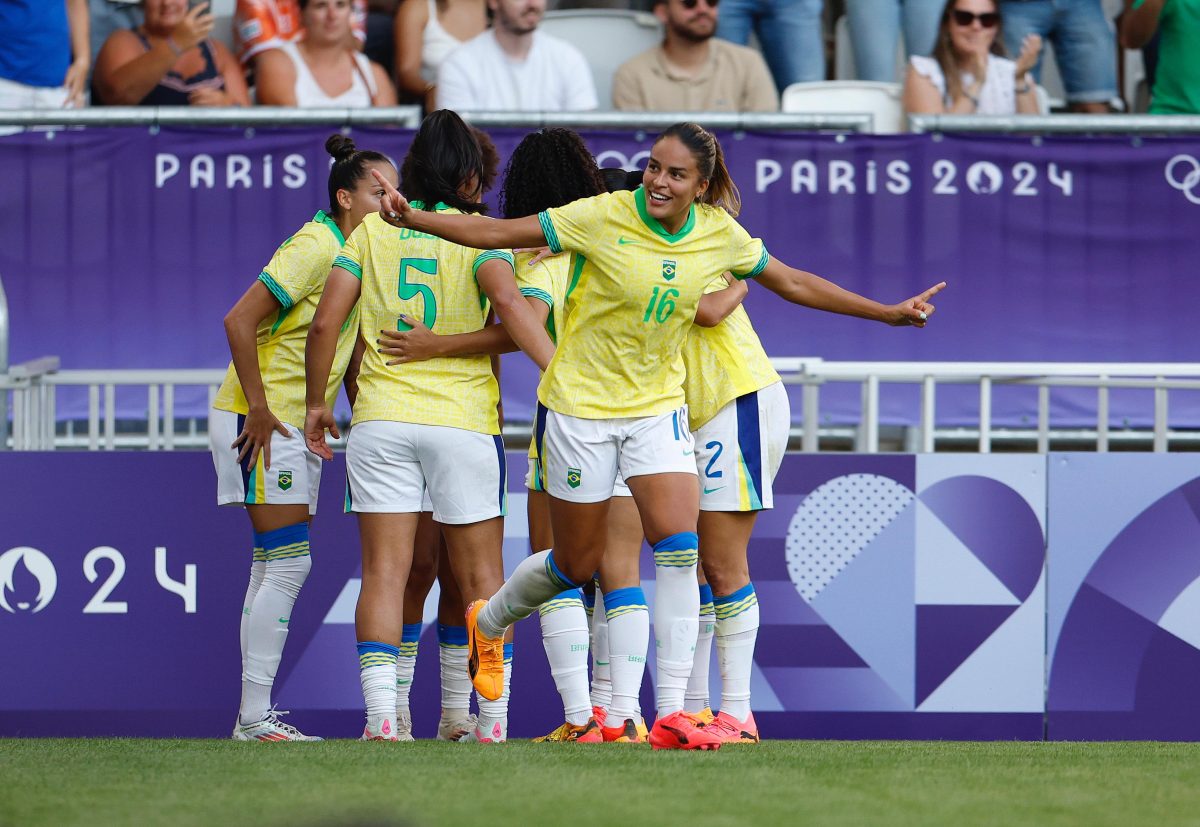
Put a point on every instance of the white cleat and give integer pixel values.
(271, 728)
(453, 729)
(497, 734)
(382, 729)
(404, 726)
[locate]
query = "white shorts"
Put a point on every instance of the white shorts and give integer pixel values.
(389, 466)
(739, 451)
(581, 459)
(294, 476)
(533, 481)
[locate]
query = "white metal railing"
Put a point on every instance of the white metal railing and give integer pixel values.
(38, 424)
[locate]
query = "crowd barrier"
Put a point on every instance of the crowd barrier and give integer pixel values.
(1011, 597)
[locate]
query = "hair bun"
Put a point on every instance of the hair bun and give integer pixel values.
(340, 146)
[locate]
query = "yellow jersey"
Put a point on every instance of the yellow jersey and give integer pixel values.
(546, 281)
(723, 363)
(634, 288)
(405, 272)
(296, 277)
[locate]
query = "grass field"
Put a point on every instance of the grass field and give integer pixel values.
(116, 782)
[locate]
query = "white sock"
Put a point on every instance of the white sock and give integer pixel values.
(696, 697)
(535, 581)
(377, 673)
(456, 682)
(628, 639)
(406, 666)
(676, 617)
(258, 570)
(493, 715)
(287, 567)
(601, 669)
(737, 631)
(565, 637)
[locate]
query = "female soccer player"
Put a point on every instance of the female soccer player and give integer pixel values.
(421, 427)
(259, 411)
(612, 402)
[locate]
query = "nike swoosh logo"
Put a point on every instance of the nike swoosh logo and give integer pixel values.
(284, 619)
(689, 453)
(713, 490)
(622, 241)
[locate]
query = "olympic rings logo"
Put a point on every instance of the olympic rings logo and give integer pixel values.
(1190, 181)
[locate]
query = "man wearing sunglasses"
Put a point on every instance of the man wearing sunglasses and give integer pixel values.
(691, 71)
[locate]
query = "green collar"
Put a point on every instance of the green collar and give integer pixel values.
(438, 207)
(639, 198)
(322, 218)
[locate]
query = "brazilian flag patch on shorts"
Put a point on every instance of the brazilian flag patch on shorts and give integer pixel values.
(285, 480)
(574, 476)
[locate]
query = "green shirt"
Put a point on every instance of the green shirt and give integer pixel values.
(1177, 80)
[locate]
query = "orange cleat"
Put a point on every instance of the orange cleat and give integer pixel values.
(682, 730)
(485, 656)
(626, 733)
(589, 733)
(705, 716)
(600, 714)
(732, 731)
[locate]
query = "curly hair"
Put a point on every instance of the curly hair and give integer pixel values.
(549, 168)
(444, 156)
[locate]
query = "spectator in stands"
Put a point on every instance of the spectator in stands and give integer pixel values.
(1176, 89)
(380, 43)
(968, 72)
(44, 53)
(514, 67)
(1084, 45)
(874, 27)
(426, 32)
(107, 16)
(322, 69)
(169, 60)
(790, 32)
(691, 71)
(259, 25)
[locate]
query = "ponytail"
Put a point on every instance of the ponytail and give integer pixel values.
(710, 161)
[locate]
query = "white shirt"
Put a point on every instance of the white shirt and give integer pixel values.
(997, 96)
(553, 77)
(310, 94)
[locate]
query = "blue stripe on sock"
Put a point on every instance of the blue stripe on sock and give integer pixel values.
(411, 633)
(569, 594)
(508, 650)
(366, 647)
(741, 594)
(557, 574)
(285, 536)
(452, 635)
(706, 595)
(632, 596)
(678, 542)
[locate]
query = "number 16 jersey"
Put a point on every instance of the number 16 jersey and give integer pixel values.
(634, 289)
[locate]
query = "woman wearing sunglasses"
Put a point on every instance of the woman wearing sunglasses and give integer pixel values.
(968, 72)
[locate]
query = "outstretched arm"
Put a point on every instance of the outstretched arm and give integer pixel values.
(803, 288)
(467, 230)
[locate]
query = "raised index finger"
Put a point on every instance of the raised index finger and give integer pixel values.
(931, 292)
(385, 183)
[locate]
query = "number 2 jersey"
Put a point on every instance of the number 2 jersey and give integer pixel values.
(404, 272)
(296, 277)
(633, 291)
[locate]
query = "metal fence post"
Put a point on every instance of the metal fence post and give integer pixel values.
(4, 392)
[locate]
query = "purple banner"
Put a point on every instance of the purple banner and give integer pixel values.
(124, 247)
